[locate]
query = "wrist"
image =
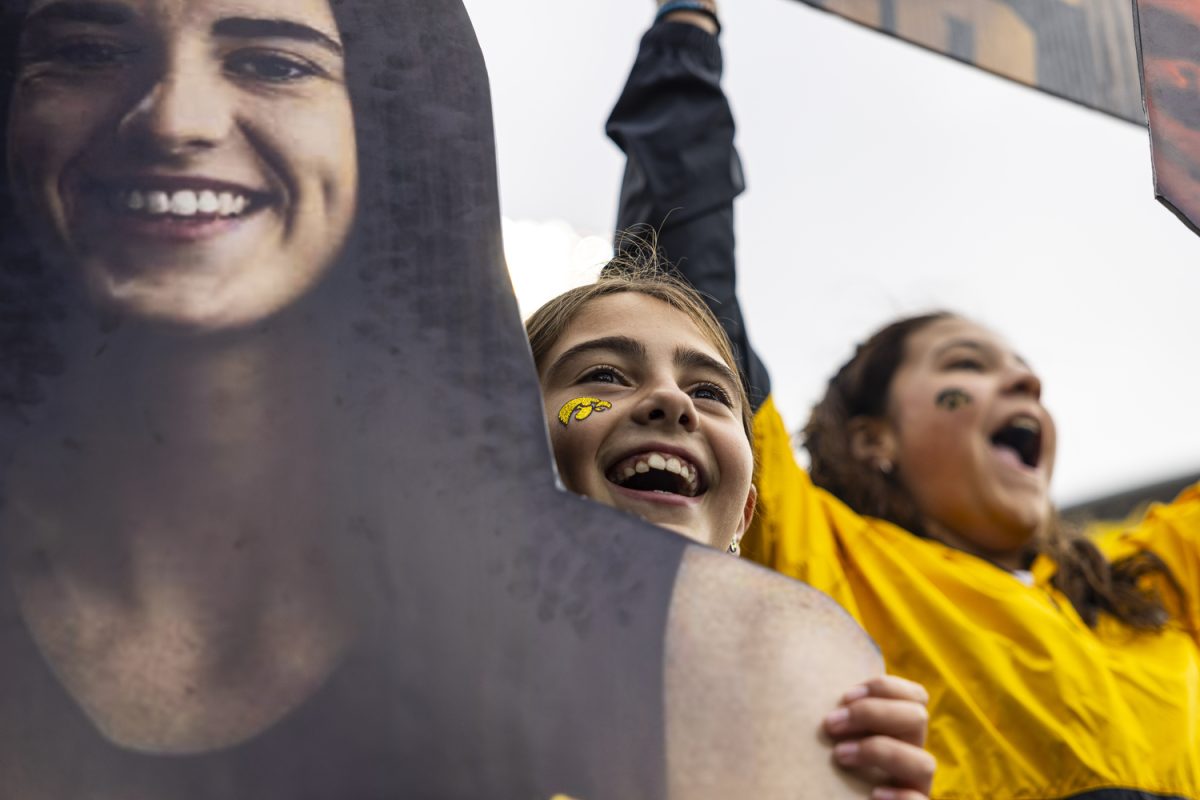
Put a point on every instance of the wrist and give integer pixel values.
(700, 13)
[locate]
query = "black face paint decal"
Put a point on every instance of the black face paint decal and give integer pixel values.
(953, 399)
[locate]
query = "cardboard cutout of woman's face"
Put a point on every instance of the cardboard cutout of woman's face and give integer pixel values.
(165, 150)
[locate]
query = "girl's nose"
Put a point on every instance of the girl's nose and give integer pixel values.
(1020, 379)
(667, 406)
(187, 109)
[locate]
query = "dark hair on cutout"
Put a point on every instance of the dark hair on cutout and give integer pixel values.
(861, 389)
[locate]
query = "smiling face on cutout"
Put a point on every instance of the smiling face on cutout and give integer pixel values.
(671, 448)
(970, 439)
(194, 160)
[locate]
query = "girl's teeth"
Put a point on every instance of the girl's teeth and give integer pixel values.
(225, 203)
(675, 466)
(656, 461)
(239, 205)
(136, 201)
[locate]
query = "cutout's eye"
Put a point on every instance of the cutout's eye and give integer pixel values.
(270, 66)
(84, 53)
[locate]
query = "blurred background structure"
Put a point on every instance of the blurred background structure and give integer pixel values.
(883, 180)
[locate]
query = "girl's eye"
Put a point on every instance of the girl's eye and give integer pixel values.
(972, 364)
(270, 67)
(711, 391)
(603, 375)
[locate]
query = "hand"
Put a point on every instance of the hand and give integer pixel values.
(879, 728)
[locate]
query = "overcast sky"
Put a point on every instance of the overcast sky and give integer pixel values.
(883, 180)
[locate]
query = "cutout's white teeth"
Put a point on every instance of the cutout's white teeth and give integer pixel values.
(158, 203)
(207, 202)
(185, 204)
(656, 461)
(674, 465)
(641, 467)
(182, 203)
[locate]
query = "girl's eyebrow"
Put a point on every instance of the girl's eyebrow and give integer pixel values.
(972, 344)
(621, 345)
(694, 359)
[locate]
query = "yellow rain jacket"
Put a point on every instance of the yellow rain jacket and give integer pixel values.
(1026, 700)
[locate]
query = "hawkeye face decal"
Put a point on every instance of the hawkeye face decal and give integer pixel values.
(581, 408)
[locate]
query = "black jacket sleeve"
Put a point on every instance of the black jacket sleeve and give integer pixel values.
(682, 172)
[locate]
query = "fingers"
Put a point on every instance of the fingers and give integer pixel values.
(907, 766)
(889, 686)
(891, 793)
(905, 720)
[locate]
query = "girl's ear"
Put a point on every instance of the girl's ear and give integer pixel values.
(748, 511)
(873, 442)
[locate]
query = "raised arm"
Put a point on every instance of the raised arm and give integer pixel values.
(675, 126)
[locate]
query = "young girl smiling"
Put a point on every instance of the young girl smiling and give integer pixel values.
(648, 414)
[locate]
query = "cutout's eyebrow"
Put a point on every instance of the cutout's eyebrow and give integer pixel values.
(94, 11)
(262, 28)
(697, 360)
(972, 344)
(102, 13)
(621, 345)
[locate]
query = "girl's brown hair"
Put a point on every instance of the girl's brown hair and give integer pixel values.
(861, 389)
(641, 271)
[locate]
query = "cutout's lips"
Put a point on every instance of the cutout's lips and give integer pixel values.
(658, 471)
(1022, 435)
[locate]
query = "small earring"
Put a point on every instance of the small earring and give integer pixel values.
(885, 466)
(735, 547)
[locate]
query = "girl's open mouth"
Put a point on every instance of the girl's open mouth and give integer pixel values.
(653, 471)
(1021, 438)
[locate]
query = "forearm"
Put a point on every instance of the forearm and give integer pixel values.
(683, 172)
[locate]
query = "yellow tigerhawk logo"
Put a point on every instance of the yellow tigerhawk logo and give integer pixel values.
(582, 408)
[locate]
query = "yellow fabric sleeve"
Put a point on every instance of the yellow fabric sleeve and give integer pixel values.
(1172, 532)
(1026, 701)
(792, 531)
